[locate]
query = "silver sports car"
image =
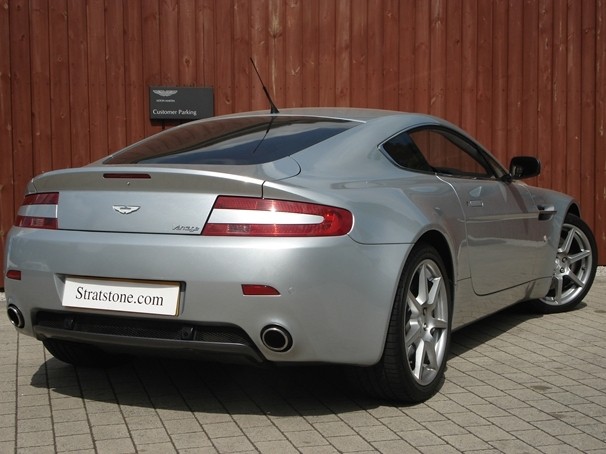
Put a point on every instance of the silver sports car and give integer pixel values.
(345, 236)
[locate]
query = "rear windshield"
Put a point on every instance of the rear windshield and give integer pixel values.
(247, 140)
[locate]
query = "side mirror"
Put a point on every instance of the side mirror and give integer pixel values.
(524, 167)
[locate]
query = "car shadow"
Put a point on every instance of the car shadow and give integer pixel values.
(206, 388)
(479, 332)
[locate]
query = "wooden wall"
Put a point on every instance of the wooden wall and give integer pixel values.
(524, 76)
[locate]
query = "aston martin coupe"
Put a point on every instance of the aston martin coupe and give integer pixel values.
(344, 236)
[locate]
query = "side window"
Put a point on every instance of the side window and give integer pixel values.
(405, 153)
(448, 154)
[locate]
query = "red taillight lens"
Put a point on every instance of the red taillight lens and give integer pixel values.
(14, 274)
(39, 211)
(259, 290)
(42, 198)
(247, 216)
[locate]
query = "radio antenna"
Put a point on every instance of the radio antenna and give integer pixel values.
(274, 109)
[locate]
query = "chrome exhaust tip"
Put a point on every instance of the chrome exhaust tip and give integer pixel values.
(15, 316)
(276, 338)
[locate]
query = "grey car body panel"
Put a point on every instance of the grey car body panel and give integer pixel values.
(336, 293)
(333, 301)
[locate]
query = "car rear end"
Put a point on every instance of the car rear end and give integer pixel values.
(154, 255)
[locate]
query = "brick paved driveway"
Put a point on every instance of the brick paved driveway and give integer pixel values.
(515, 383)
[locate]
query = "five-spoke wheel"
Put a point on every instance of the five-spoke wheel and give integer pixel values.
(414, 359)
(575, 267)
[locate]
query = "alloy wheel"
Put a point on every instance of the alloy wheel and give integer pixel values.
(426, 322)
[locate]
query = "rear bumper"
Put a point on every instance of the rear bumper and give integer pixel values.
(335, 294)
(132, 335)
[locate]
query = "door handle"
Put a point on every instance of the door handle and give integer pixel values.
(475, 203)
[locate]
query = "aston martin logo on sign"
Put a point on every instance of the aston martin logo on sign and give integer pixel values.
(124, 209)
(166, 93)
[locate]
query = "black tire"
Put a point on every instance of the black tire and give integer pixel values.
(418, 338)
(575, 267)
(81, 354)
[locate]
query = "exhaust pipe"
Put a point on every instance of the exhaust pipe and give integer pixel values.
(276, 338)
(15, 316)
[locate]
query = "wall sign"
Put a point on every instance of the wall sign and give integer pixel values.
(180, 103)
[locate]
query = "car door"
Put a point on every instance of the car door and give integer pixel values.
(504, 233)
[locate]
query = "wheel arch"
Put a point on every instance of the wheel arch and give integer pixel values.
(437, 240)
(574, 209)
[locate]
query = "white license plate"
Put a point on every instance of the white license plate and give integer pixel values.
(161, 298)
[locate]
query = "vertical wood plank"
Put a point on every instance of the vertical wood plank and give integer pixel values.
(276, 52)
(152, 76)
(515, 80)
(359, 54)
(224, 58)
(588, 79)
(116, 105)
(422, 23)
(438, 58)
(97, 82)
(327, 61)
(573, 100)
(241, 50)
(8, 195)
(293, 53)
(560, 111)
(391, 52)
(169, 41)
(469, 65)
(187, 42)
(342, 54)
(78, 82)
(545, 77)
(375, 52)
(205, 32)
(136, 113)
(408, 66)
(40, 73)
(499, 77)
(169, 47)
(530, 78)
(454, 68)
(599, 222)
(484, 122)
(310, 18)
(61, 147)
(20, 81)
(259, 36)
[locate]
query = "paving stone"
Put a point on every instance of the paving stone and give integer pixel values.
(233, 444)
(377, 433)
(191, 440)
(306, 438)
(468, 442)
(350, 443)
(276, 447)
(74, 443)
(110, 431)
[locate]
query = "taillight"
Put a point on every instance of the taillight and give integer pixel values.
(14, 274)
(259, 290)
(247, 216)
(39, 211)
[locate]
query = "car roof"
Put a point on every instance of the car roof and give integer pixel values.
(344, 113)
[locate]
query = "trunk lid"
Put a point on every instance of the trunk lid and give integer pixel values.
(151, 199)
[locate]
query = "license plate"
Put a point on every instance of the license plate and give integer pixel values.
(144, 297)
